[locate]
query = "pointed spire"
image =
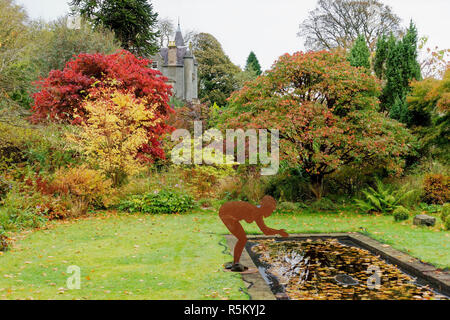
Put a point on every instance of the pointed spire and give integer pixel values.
(179, 41)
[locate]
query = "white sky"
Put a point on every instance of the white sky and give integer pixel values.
(268, 27)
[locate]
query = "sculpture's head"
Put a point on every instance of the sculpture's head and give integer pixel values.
(268, 205)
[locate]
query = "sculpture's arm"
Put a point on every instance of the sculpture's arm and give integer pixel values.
(269, 231)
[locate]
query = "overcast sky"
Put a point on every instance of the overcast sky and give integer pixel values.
(268, 27)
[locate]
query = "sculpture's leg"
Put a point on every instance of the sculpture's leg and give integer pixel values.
(239, 232)
(239, 247)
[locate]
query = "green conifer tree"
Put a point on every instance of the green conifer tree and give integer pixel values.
(411, 68)
(401, 68)
(133, 22)
(393, 88)
(253, 64)
(379, 64)
(359, 54)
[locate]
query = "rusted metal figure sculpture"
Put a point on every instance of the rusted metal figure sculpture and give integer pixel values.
(233, 212)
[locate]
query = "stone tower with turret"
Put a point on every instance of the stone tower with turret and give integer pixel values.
(178, 64)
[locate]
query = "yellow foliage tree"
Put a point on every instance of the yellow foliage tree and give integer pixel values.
(113, 130)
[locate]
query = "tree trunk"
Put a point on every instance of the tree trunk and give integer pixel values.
(316, 186)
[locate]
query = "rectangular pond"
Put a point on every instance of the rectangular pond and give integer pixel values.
(326, 268)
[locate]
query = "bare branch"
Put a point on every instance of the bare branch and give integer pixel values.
(337, 23)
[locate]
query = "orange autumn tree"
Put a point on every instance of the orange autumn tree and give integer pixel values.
(114, 129)
(326, 112)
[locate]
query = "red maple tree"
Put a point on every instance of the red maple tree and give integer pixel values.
(61, 94)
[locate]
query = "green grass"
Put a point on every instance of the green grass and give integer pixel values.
(172, 257)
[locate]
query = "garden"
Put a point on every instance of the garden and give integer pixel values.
(90, 195)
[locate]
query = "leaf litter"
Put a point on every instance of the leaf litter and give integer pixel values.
(329, 270)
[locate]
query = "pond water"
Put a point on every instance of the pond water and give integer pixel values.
(329, 270)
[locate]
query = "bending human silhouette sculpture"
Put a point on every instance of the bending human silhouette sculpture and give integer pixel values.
(233, 212)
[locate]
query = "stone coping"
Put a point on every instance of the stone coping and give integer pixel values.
(258, 289)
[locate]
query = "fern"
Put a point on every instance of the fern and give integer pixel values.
(381, 199)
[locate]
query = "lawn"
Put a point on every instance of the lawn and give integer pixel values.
(125, 256)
